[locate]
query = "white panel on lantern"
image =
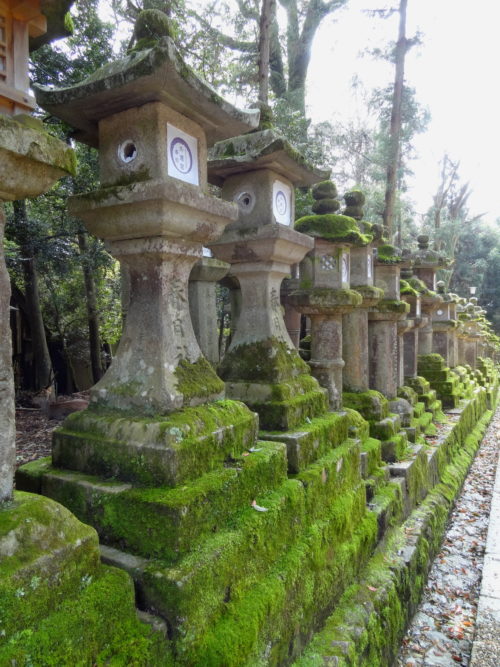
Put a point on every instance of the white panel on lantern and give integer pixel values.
(369, 266)
(282, 202)
(345, 268)
(418, 308)
(182, 157)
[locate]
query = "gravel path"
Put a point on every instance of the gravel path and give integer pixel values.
(442, 630)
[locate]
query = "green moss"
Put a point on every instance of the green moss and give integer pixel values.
(333, 227)
(355, 212)
(318, 436)
(388, 254)
(163, 522)
(152, 24)
(269, 360)
(371, 404)
(285, 415)
(369, 292)
(354, 198)
(69, 25)
(406, 288)
(368, 623)
(95, 624)
(197, 379)
(165, 450)
(324, 190)
(419, 286)
(393, 306)
(23, 137)
(324, 298)
(325, 205)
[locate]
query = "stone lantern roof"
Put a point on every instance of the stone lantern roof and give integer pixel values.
(426, 257)
(156, 74)
(58, 22)
(265, 149)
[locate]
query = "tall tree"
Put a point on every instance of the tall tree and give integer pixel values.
(267, 16)
(227, 33)
(25, 236)
(403, 45)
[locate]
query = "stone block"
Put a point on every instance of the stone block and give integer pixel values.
(163, 451)
(386, 428)
(166, 522)
(395, 448)
(314, 439)
(372, 405)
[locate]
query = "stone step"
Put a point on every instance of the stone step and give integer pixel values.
(59, 604)
(317, 436)
(395, 448)
(386, 428)
(162, 451)
(415, 473)
(240, 555)
(162, 522)
(192, 595)
(387, 505)
(270, 623)
(370, 457)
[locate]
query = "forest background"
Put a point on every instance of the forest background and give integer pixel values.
(66, 307)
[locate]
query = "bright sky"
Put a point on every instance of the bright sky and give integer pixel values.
(454, 73)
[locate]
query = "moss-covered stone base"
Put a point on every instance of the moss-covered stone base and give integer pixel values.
(367, 625)
(447, 386)
(154, 451)
(58, 604)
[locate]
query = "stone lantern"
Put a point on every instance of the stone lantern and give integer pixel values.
(20, 22)
(384, 346)
(426, 263)
(30, 162)
(444, 325)
(205, 274)
(324, 294)
(262, 367)
(410, 338)
(355, 322)
(152, 119)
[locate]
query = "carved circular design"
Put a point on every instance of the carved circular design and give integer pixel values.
(181, 155)
(281, 202)
(127, 151)
(245, 201)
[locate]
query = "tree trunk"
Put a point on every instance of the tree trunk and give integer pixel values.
(7, 410)
(266, 19)
(44, 375)
(92, 316)
(395, 128)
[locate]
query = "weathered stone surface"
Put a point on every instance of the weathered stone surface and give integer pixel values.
(264, 150)
(30, 161)
(156, 451)
(202, 304)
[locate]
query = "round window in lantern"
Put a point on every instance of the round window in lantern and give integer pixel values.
(439, 312)
(245, 201)
(127, 151)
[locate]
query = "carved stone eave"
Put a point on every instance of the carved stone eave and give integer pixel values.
(158, 74)
(266, 149)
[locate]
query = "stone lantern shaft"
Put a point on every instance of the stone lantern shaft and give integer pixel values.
(152, 119)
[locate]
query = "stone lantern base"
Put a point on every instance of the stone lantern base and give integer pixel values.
(57, 601)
